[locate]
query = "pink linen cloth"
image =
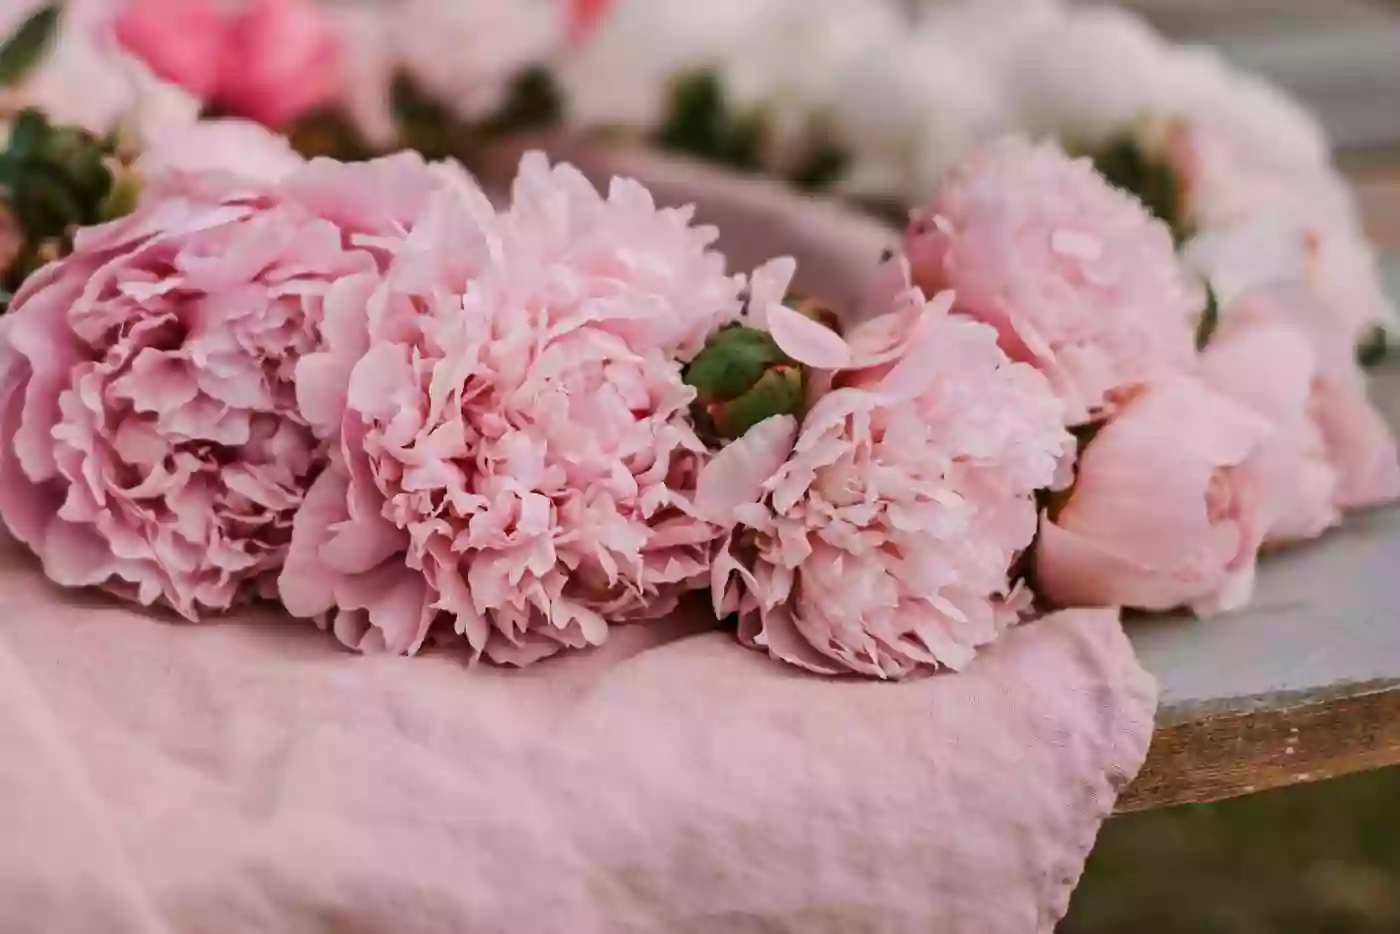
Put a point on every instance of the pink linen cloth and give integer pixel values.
(247, 776)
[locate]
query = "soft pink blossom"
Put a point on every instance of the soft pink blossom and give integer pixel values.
(1360, 445)
(585, 15)
(281, 60)
(226, 147)
(183, 41)
(270, 60)
(152, 442)
(1261, 221)
(1270, 368)
(885, 542)
(1076, 276)
(1165, 512)
(517, 460)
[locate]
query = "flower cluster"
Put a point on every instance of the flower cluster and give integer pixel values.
(419, 413)
(1191, 461)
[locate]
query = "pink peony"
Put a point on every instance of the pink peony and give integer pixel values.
(1165, 512)
(1360, 445)
(884, 543)
(1261, 222)
(517, 457)
(182, 41)
(269, 60)
(1271, 369)
(281, 60)
(585, 15)
(1076, 276)
(152, 442)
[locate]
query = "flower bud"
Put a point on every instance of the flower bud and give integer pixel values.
(742, 378)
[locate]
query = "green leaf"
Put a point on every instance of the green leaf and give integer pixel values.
(1210, 320)
(23, 51)
(1374, 347)
(534, 102)
(822, 168)
(1151, 180)
(700, 123)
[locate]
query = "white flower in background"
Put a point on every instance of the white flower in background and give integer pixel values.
(908, 112)
(786, 58)
(467, 53)
(1256, 116)
(623, 74)
(1088, 74)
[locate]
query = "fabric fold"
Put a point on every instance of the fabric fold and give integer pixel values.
(254, 778)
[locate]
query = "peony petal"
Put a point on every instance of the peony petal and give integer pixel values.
(738, 473)
(807, 341)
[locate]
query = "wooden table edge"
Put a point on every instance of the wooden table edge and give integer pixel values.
(1226, 749)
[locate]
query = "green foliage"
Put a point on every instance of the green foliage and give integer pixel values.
(1127, 165)
(822, 168)
(1210, 320)
(700, 123)
(429, 126)
(52, 181)
(29, 45)
(1374, 347)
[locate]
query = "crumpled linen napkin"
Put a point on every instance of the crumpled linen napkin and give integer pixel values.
(248, 776)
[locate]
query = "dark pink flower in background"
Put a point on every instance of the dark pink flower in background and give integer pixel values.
(270, 60)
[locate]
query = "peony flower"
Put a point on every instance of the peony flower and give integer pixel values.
(517, 458)
(468, 54)
(1075, 275)
(884, 544)
(270, 60)
(909, 113)
(1270, 368)
(1360, 446)
(281, 60)
(1087, 74)
(780, 62)
(1165, 512)
(152, 442)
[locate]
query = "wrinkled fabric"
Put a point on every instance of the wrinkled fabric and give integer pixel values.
(248, 777)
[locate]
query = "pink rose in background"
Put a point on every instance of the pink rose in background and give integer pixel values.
(517, 462)
(1075, 275)
(152, 441)
(884, 544)
(1164, 513)
(269, 60)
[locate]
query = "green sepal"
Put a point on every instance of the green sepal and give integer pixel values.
(732, 362)
(780, 391)
(29, 45)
